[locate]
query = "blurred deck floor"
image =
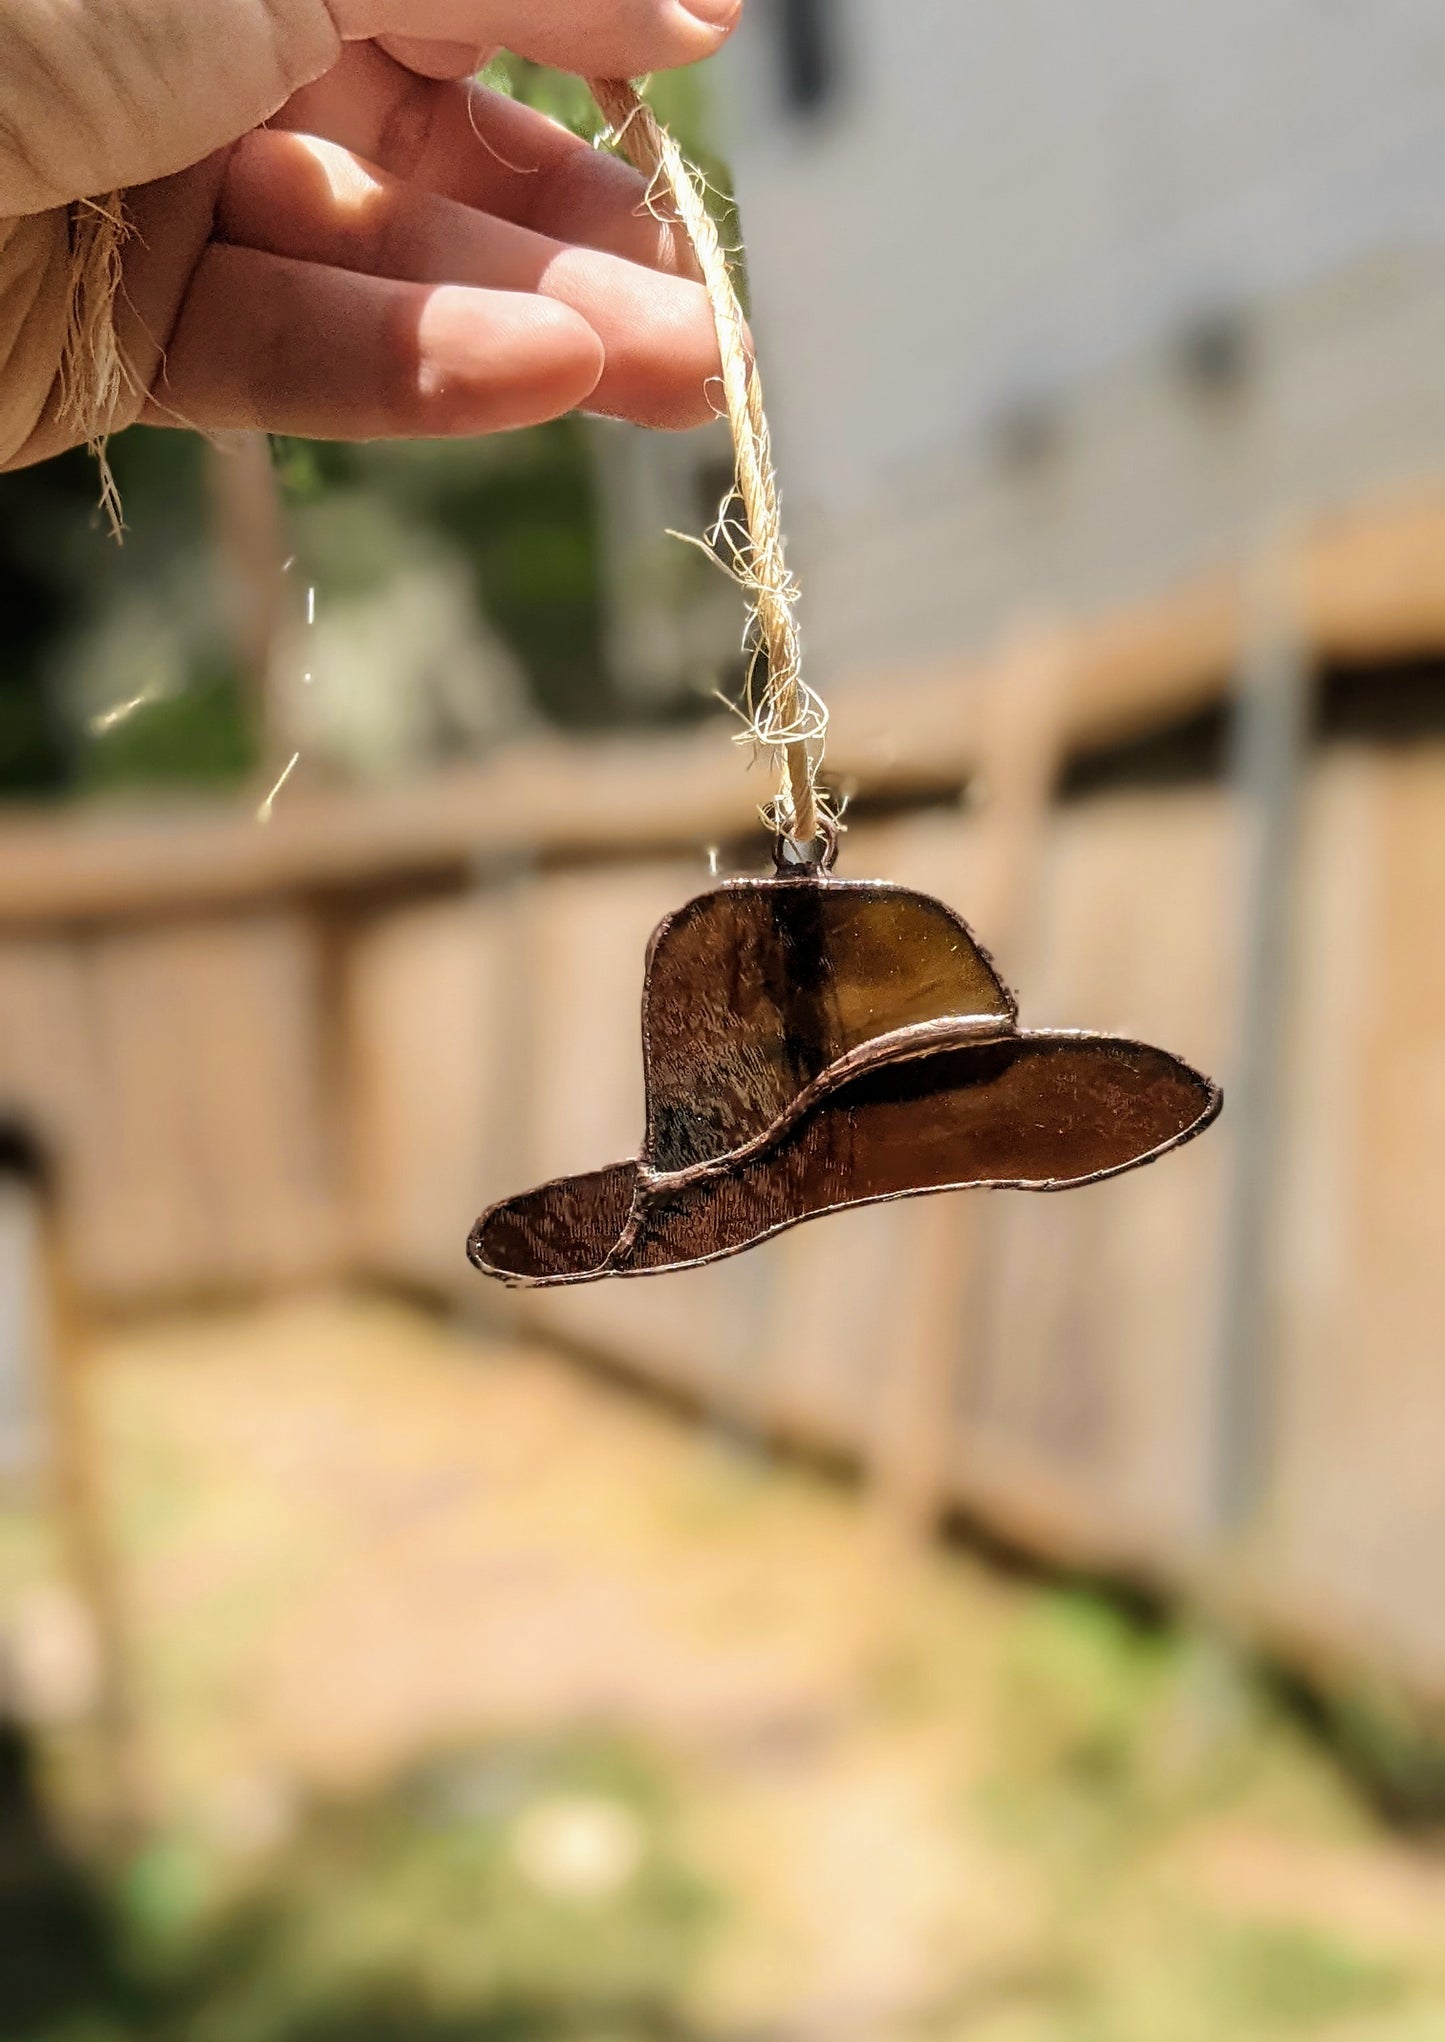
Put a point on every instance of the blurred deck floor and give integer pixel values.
(939, 1801)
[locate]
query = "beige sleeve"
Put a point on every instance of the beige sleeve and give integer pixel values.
(98, 94)
(34, 305)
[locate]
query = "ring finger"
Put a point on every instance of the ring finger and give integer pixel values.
(310, 201)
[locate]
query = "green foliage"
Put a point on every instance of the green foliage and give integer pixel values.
(409, 1918)
(1120, 1746)
(1281, 1976)
(43, 511)
(203, 735)
(1397, 1747)
(554, 93)
(31, 754)
(679, 99)
(74, 597)
(1083, 1686)
(519, 509)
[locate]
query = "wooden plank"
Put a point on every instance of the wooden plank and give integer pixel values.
(942, 1276)
(1349, 1545)
(436, 1003)
(544, 800)
(1371, 586)
(50, 1084)
(1095, 1383)
(126, 1784)
(176, 1079)
(1368, 587)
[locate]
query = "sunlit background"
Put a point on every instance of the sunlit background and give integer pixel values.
(971, 1620)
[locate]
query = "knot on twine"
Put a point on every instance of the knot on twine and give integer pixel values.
(782, 713)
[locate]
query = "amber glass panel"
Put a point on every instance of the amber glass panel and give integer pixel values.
(757, 989)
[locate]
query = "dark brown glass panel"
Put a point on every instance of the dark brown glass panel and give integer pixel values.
(1042, 1113)
(559, 1233)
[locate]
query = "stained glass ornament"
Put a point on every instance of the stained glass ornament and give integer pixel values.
(811, 1044)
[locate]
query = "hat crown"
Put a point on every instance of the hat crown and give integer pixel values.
(756, 990)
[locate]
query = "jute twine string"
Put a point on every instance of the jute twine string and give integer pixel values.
(783, 715)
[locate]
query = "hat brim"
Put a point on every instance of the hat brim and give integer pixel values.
(1028, 1112)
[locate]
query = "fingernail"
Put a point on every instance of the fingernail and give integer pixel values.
(714, 13)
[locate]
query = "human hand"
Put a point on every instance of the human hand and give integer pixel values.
(335, 233)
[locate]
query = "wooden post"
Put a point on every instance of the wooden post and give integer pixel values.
(251, 556)
(938, 1290)
(1272, 732)
(125, 1801)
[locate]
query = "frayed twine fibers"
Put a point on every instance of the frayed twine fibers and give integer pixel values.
(783, 715)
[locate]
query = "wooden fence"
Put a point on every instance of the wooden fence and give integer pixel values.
(253, 1056)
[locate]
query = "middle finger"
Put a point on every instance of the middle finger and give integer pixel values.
(464, 142)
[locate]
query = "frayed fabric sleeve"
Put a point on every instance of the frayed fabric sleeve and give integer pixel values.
(99, 94)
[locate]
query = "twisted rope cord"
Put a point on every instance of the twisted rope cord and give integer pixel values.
(787, 718)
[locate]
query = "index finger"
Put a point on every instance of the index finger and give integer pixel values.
(597, 38)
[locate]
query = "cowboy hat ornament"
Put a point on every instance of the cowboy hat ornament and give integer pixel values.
(812, 1043)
